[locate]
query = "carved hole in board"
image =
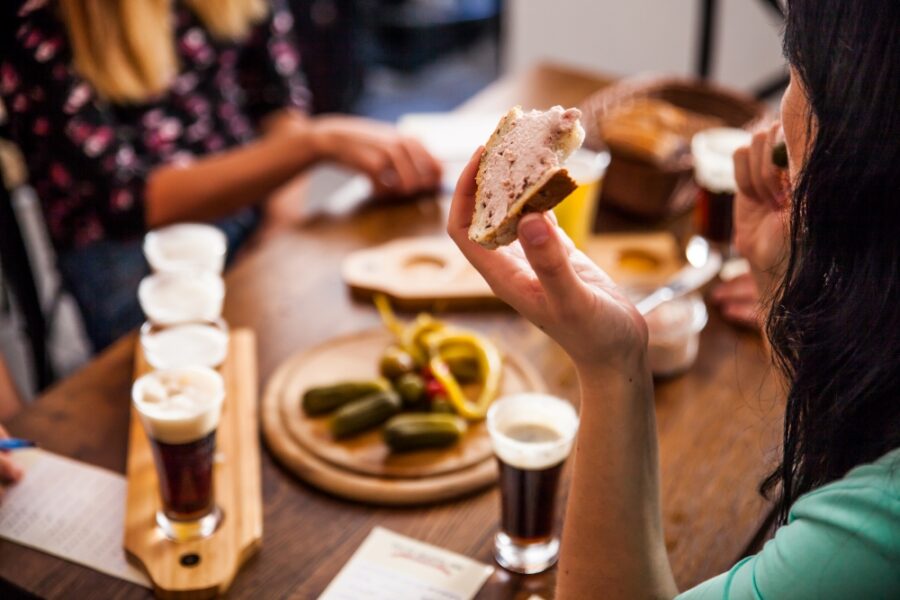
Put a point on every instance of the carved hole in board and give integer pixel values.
(189, 560)
(424, 265)
(638, 260)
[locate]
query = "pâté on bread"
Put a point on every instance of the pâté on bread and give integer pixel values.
(521, 171)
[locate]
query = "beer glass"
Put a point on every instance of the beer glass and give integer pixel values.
(180, 410)
(576, 213)
(168, 298)
(186, 247)
(713, 151)
(193, 343)
(532, 434)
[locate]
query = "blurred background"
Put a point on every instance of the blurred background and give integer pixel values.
(386, 58)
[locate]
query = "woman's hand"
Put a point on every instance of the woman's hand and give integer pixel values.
(555, 286)
(397, 165)
(738, 300)
(761, 209)
(10, 472)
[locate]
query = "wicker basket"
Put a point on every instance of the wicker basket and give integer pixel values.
(648, 189)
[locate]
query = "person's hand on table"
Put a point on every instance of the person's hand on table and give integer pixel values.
(10, 472)
(397, 165)
(761, 208)
(739, 301)
(554, 285)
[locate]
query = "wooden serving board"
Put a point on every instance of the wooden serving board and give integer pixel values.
(430, 273)
(636, 260)
(238, 489)
(422, 273)
(363, 469)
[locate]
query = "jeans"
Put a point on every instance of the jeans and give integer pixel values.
(104, 278)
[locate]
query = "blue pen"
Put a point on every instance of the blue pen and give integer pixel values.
(15, 444)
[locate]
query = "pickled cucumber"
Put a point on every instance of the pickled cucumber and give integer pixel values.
(365, 413)
(408, 432)
(324, 399)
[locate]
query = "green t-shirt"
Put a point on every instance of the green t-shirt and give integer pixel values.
(841, 541)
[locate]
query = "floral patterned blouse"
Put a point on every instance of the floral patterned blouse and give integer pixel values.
(89, 159)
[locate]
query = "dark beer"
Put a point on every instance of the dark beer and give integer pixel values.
(186, 477)
(180, 410)
(712, 151)
(528, 501)
(532, 435)
(715, 215)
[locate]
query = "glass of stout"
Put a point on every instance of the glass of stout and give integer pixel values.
(712, 151)
(532, 435)
(180, 410)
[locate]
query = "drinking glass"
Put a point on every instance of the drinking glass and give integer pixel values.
(532, 435)
(180, 411)
(577, 212)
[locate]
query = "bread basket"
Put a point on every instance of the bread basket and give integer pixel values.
(650, 189)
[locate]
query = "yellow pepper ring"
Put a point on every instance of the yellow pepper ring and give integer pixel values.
(489, 366)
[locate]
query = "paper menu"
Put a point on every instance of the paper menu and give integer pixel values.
(69, 509)
(451, 137)
(389, 566)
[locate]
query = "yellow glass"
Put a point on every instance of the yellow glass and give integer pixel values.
(576, 213)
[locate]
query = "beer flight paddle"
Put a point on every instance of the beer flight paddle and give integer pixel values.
(201, 568)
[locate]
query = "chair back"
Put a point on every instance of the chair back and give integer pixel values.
(19, 278)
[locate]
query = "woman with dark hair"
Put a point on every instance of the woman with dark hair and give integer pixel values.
(825, 249)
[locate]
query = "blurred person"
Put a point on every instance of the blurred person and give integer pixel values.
(10, 472)
(135, 115)
(826, 252)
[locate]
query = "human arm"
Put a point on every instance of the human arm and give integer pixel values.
(219, 184)
(613, 538)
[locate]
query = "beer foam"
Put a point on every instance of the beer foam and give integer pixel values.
(532, 409)
(713, 150)
(181, 405)
(168, 298)
(186, 246)
(195, 344)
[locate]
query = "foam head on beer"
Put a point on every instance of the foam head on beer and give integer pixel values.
(186, 246)
(713, 150)
(168, 298)
(181, 405)
(532, 431)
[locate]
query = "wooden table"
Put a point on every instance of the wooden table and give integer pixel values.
(717, 425)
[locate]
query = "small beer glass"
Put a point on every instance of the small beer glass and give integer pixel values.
(180, 410)
(532, 435)
(713, 150)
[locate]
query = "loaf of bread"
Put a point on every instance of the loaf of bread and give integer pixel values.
(521, 171)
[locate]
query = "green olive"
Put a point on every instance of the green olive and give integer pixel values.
(395, 362)
(411, 388)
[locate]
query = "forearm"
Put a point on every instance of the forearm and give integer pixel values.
(218, 185)
(613, 543)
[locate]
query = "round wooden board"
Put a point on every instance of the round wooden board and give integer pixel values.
(356, 357)
(352, 484)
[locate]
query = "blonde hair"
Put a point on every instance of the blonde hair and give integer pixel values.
(126, 48)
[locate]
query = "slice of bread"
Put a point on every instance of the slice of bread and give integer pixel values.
(521, 171)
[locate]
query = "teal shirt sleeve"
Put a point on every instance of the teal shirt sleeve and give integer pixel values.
(841, 541)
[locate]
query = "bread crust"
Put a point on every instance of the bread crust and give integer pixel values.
(548, 191)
